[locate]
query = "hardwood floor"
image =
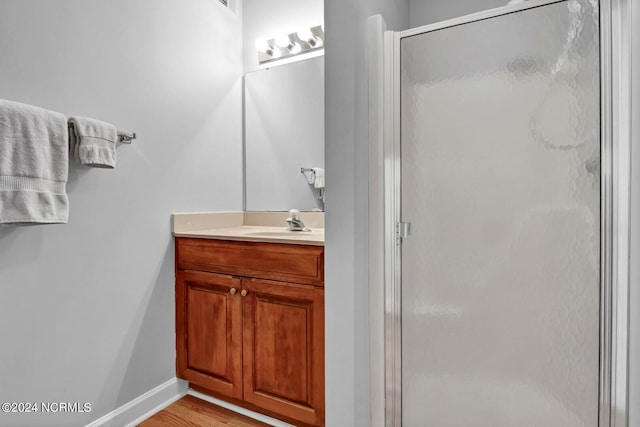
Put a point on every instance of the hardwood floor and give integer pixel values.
(193, 412)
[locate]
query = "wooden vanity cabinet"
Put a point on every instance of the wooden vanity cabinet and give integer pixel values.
(209, 331)
(283, 349)
(250, 324)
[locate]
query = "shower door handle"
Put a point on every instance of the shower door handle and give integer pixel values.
(403, 230)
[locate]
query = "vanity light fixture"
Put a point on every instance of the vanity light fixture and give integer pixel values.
(288, 45)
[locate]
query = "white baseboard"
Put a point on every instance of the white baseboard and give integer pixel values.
(247, 413)
(142, 407)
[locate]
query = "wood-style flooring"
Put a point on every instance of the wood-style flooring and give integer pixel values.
(193, 412)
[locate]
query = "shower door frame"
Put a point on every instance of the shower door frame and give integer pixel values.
(615, 78)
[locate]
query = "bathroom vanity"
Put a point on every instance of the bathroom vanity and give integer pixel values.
(250, 315)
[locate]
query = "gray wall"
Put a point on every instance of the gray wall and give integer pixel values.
(346, 218)
(87, 308)
(423, 12)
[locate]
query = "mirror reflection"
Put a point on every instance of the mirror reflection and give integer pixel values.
(284, 137)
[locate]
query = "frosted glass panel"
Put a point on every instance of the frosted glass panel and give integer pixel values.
(501, 183)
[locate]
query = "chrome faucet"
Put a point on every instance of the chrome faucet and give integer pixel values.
(294, 221)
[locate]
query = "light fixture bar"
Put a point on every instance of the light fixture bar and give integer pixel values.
(288, 45)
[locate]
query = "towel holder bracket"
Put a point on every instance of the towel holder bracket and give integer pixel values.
(126, 137)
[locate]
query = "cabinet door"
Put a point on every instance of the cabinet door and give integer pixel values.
(284, 349)
(209, 331)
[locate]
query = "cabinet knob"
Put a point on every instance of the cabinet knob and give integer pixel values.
(232, 291)
(244, 292)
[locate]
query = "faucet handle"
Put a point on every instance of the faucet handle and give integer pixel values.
(294, 213)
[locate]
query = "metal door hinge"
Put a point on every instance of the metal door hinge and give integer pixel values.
(403, 229)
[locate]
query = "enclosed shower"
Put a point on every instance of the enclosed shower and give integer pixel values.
(499, 194)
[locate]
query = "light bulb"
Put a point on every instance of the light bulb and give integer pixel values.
(311, 39)
(275, 52)
(305, 34)
(284, 42)
(263, 46)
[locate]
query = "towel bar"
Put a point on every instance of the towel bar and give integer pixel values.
(124, 137)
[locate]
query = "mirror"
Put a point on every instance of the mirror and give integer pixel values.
(284, 132)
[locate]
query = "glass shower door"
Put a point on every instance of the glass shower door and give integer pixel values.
(500, 153)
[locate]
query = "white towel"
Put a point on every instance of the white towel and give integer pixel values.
(34, 165)
(319, 182)
(92, 142)
(309, 175)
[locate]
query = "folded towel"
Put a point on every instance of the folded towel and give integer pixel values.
(34, 164)
(92, 142)
(319, 182)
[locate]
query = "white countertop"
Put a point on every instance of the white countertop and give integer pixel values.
(249, 227)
